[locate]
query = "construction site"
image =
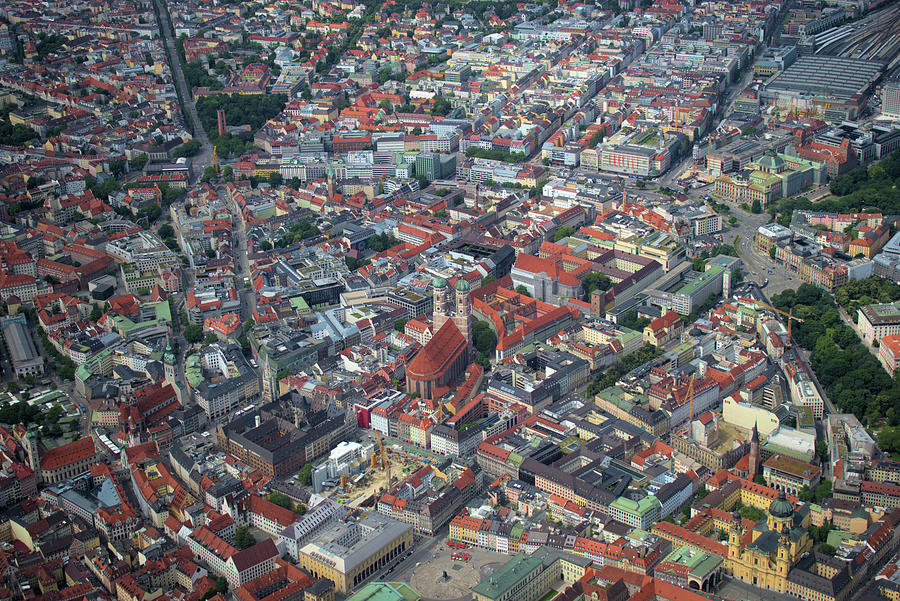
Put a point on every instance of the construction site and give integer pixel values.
(366, 479)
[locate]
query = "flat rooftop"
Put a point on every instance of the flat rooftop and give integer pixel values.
(831, 76)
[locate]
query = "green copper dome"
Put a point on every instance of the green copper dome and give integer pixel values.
(771, 160)
(462, 285)
(439, 283)
(781, 507)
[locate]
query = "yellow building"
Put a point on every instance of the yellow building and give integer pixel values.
(764, 556)
(348, 554)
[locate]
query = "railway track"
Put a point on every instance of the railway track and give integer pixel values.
(875, 37)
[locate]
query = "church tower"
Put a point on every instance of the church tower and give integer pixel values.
(735, 534)
(753, 467)
(31, 450)
(441, 310)
(329, 178)
(783, 560)
(169, 363)
(463, 313)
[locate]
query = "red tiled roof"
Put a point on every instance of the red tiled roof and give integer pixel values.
(257, 504)
(68, 454)
(210, 540)
(255, 555)
(664, 321)
(438, 354)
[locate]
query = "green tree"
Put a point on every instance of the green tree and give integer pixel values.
(823, 491)
(210, 338)
(822, 450)
(96, 313)
(166, 231)
(594, 281)
(496, 155)
(483, 338)
(243, 538)
(193, 333)
(275, 179)
(209, 173)
(805, 494)
(441, 106)
(188, 149)
(563, 232)
(633, 322)
(827, 549)
(221, 587)
(118, 168)
(304, 476)
(521, 289)
(281, 499)
(748, 512)
(228, 173)
(400, 324)
(772, 253)
(139, 162)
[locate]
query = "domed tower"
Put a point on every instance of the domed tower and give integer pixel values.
(441, 299)
(463, 313)
(781, 514)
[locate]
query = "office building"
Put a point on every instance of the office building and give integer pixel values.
(879, 320)
(890, 99)
(348, 554)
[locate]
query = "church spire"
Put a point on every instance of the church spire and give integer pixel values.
(753, 459)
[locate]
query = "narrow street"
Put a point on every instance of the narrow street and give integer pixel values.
(204, 159)
(241, 250)
(849, 321)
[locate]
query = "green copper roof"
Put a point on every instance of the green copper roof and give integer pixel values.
(781, 507)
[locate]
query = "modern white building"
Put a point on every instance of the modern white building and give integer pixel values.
(320, 512)
(340, 462)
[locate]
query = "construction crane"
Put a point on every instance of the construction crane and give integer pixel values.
(385, 462)
(43, 195)
(215, 162)
(790, 317)
(821, 103)
(690, 395)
